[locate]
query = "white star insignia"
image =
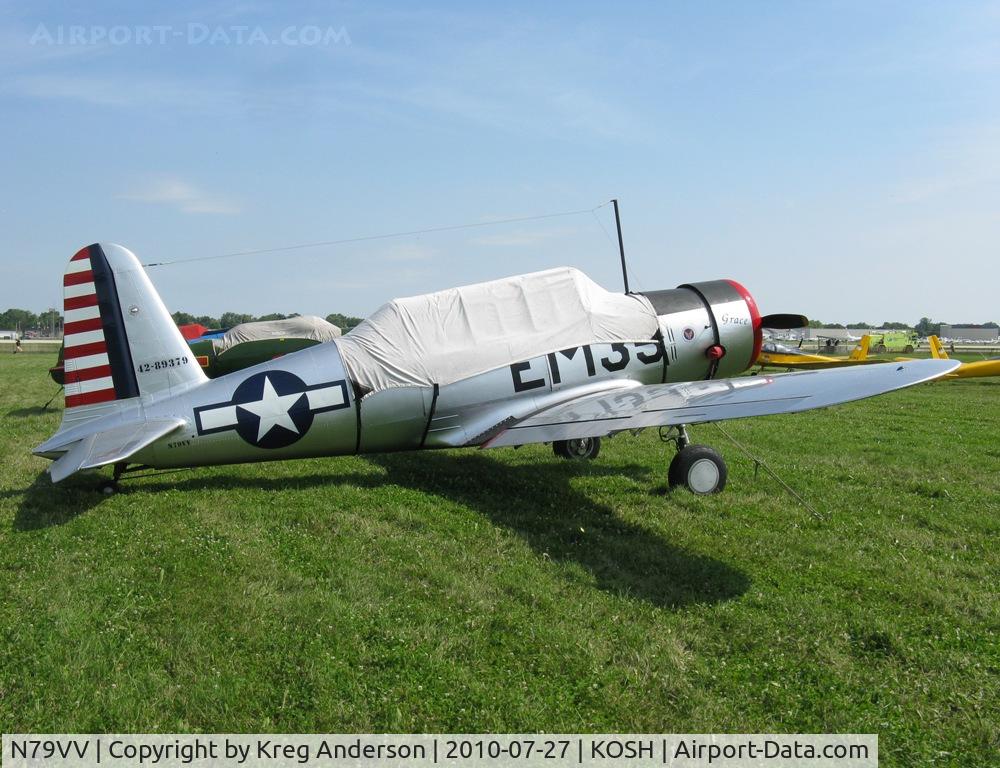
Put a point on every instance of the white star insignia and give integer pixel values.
(272, 410)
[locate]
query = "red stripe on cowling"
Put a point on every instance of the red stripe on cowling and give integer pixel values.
(77, 278)
(79, 302)
(94, 348)
(87, 374)
(93, 324)
(755, 320)
(83, 253)
(89, 398)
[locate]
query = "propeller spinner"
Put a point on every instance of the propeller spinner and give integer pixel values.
(784, 322)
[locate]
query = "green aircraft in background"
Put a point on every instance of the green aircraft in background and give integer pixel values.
(247, 344)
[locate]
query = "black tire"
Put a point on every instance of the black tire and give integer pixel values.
(909, 349)
(581, 449)
(698, 468)
(880, 349)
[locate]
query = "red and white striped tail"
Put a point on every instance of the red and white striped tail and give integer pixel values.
(120, 341)
(89, 379)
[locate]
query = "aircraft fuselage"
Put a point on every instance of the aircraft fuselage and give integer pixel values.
(305, 404)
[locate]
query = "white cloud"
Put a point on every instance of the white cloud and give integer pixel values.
(125, 91)
(183, 196)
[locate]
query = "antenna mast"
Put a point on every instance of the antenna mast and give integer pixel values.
(621, 244)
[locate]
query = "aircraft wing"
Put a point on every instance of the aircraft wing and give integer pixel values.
(658, 405)
(111, 445)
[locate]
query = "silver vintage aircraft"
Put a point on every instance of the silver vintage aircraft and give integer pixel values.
(548, 357)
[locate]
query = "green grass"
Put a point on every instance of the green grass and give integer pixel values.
(511, 591)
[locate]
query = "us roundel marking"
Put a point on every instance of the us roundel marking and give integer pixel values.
(272, 409)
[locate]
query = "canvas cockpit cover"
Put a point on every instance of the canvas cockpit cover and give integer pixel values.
(302, 327)
(440, 338)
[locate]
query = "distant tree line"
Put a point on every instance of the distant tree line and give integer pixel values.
(925, 326)
(888, 325)
(344, 322)
(26, 320)
(229, 319)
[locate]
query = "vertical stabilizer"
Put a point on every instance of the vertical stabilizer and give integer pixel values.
(937, 348)
(120, 342)
(860, 351)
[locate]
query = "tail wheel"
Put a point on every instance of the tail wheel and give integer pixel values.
(698, 468)
(584, 448)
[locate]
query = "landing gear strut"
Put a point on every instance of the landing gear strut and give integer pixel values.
(698, 468)
(53, 398)
(110, 487)
(581, 448)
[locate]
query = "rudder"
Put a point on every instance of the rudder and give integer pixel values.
(937, 348)
(860, 352)
(120, 341)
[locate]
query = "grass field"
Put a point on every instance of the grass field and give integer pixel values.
(511, 591)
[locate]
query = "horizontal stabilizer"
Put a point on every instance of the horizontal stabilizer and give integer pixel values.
(658, 405)
(111, 446)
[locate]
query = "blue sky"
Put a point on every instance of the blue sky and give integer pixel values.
(839, 158)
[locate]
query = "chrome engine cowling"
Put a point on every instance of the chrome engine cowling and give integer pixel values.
(710, 330)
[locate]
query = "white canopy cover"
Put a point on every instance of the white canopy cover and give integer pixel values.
(302, 327)
(442, 337)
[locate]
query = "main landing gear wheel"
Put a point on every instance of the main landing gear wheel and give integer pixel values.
(698, 468)
(582, 448)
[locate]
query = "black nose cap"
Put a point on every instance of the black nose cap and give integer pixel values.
(784, 322)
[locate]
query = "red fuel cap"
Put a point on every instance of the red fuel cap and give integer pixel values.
(715, 352)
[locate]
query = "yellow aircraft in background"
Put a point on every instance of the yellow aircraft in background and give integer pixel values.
(971, 370)
(989, 367)
(773, 355)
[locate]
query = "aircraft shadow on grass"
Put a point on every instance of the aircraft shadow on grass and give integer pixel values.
(537, 502)
(44, 504)
(31, 410)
